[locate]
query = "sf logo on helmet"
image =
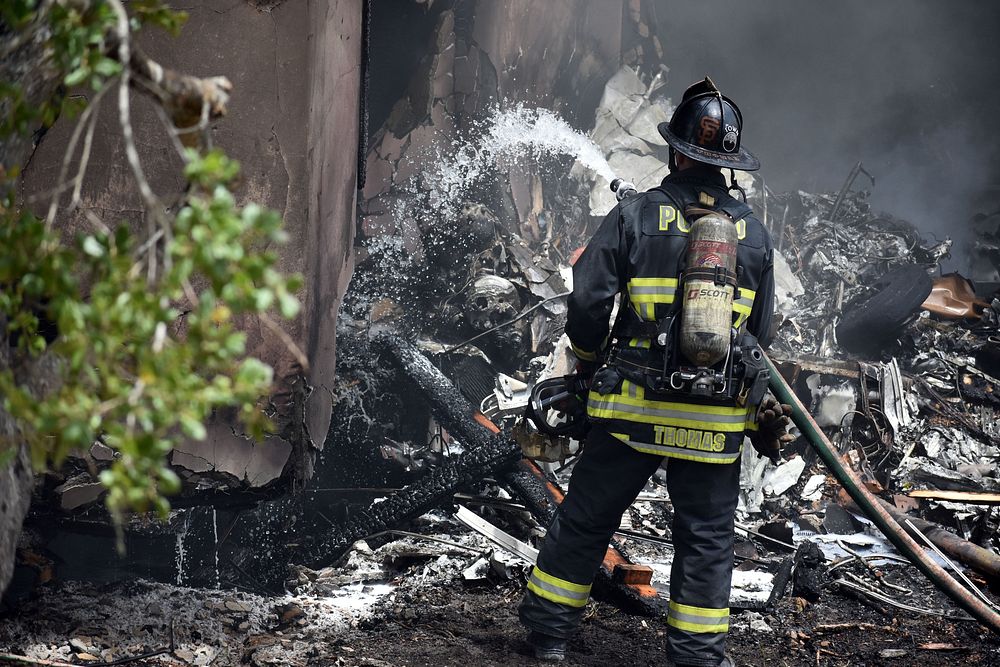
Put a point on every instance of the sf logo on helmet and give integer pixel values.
(730, 140)
(708, 128)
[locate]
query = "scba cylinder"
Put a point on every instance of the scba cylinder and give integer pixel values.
(709, 281)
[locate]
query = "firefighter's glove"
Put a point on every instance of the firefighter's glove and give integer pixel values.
(585, 369)
(584, 372)
(772, 434)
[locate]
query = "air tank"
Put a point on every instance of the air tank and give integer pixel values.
(708, 283)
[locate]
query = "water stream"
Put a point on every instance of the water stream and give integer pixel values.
(453, 171)
(503, 139)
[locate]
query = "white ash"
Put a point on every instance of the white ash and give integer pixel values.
(222, 628)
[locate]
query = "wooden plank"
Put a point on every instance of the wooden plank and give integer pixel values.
(971, 497)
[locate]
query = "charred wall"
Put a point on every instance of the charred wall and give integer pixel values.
(555, 55)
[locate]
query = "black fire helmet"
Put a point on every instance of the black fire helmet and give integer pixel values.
(706, 126)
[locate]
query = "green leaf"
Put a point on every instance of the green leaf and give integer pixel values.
(262, 299)
(288, 305)
(76, 77)
(93, 247)
(193, 428)
(170, 483)
(107, 67)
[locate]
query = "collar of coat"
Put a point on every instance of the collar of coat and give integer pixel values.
(700, 175)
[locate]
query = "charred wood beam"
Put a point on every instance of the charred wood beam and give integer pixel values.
(813, 364)
(486, 454)
(460, 418)
(450, 407)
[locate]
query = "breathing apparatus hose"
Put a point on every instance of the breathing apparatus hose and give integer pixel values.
(874, 511)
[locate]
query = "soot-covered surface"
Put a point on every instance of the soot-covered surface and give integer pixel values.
(457, 626)
(411, 603)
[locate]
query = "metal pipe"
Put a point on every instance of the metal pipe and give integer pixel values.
(954, 568)
(873, 510)
(982, 560)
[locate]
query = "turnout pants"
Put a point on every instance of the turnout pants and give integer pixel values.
(605, 481)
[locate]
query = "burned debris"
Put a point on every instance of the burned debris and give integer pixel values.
(471, 219)
(890, 357)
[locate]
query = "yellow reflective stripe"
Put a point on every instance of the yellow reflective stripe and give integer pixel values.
(645, 311)
(745, 300)
(555, 597)
(560, 583)
(697, 627)
(581, 354)
(719, 418)
(743, 306)
(654, 298)
(653, 282)
(704, 612)
(651, 290)
(558, 590)
(644, 343)
(727, 414)
(697, 619)
(633, 390)
(678, 452)
(686, 456)
(645, 415)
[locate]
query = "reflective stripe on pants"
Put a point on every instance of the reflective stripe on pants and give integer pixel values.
(558, 590)
(697, 619)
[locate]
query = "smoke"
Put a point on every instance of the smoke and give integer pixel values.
(905, 86)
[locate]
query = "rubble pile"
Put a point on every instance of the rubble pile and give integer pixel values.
(472, 216)
(897, 365)
(894, 360)
(185, 626)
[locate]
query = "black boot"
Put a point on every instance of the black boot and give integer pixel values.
(547, 647)
(726, 662)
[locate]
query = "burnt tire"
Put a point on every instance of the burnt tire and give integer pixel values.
(871, 323)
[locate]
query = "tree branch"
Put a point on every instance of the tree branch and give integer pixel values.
(189, 100)
(123, 35)
(290, 343)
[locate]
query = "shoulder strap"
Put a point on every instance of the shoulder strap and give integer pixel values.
(731, 206)
(735, 209)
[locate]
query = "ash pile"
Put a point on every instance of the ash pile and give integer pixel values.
(897, 362)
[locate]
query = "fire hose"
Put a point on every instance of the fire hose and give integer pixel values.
(869, 504)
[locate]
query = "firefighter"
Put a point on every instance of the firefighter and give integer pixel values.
(645, 402)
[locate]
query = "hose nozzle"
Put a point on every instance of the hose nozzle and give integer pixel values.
(622, 188)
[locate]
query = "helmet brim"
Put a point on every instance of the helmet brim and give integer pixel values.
(743, 159)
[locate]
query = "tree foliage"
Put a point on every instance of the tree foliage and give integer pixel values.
(140, 323)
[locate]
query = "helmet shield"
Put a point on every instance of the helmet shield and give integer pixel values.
(707, 127)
